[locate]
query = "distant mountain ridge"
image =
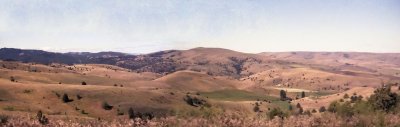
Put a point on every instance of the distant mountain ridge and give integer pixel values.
(215, 61)
(44, 57)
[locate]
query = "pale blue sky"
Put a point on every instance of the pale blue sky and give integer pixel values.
(142, 26)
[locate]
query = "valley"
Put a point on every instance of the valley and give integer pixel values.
(219, 81)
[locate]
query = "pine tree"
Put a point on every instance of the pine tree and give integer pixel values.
(283, 95)
(303, 94)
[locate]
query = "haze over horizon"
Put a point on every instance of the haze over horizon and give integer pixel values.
(245, 26)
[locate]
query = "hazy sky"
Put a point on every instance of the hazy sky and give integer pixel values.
(142, 26)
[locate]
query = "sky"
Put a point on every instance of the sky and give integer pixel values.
(144, 26)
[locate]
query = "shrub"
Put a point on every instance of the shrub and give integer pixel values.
(360, 97)
(383, 99)
(256, 108)
(58, 95)
(143, 116)
(345, 110)
(193, 101)
(300, 111)
(346, 96)
(148, 115)
(355, 98)
(313, 111)
(119, 113)
(131, 113)
(83, 112)
(298, 105)
(66, 99)
(290, 107)
(12, 79)
(9, 108)
(307, 113)
(27, 91)
(322, 109)
(362, 107)
(42, 118)
(333, 106)
(107, 106)
(276, 112)
(84, 83)
(78, 97)
(3, 119)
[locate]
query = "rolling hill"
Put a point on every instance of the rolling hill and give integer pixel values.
(161, 82)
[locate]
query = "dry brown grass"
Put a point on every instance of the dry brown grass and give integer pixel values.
(325, 120)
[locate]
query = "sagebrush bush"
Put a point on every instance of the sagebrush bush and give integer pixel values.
(12, 79)
(42, 118)
(66, 99)
(196, 102)
(276, 112)
(78, 97)
(3, 119)
(106, 106)
(322, 109)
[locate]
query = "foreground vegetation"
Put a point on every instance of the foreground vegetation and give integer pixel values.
(326, 119)
(380, 109)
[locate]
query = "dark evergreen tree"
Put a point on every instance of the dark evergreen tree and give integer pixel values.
(303, 94)
(283, 95)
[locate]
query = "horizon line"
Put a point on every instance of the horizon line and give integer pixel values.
(184, 49)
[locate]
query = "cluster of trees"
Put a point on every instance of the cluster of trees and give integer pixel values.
(284, 97)
(196, 102)
(297, 110)
(383, 100)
